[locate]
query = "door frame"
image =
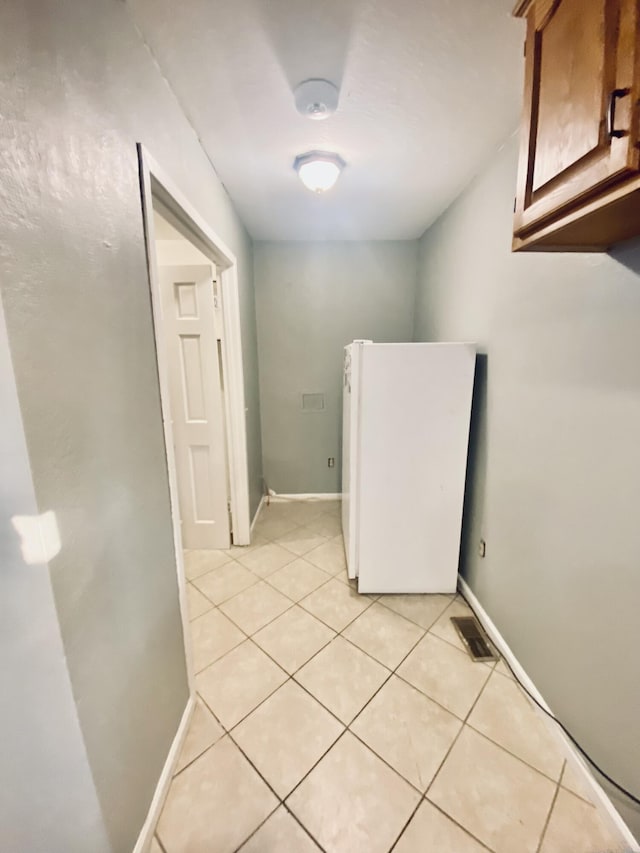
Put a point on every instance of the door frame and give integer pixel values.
(155, 184)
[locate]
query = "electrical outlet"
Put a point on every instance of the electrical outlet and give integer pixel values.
(482, 548)
(331, 462)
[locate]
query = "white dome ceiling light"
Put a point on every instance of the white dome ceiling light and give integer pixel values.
(316, 99)
(319, 170)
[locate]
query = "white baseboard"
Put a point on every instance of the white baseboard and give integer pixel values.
(258, 511)
(600, 798)
(149, 827)
(311, 496)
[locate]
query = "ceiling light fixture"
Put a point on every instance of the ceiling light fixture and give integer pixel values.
(319, 170)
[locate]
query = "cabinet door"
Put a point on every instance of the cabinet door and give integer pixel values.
(580, 111)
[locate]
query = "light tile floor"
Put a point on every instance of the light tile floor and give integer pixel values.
(327, 720)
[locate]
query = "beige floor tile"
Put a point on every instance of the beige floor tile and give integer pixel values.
(286, 736)
(305, 511)
(407, 730)
(198, 563)
(497, 798)
(233, 686)
(383, 634)
(266, 559)
(505, 716)
(443, 627)
(225, 582)
(576, 827)
(421, 609)
(329, 556)
(278, 508)
(212, 636)
(343, 575)
(255, 607)
(297, 579)
(327, 525)
(503, 669)
(215, 804)
(239, 550)
(204, 731)
(352, 802)
(445, 674)
(430, 831)
(333, 506)
(293, 638)
(154, 847)
(336, 604)
(272, 527)
(301, 540)
(280, 834)
(575, 783)
(196, 602)
(343, 678)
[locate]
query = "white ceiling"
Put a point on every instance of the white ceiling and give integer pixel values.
(429, 89)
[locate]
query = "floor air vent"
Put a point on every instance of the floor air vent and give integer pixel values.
(473, 636)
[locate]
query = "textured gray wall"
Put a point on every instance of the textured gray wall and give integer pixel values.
(311, 300)
(48, 802)
(554, 483)
(78, 89)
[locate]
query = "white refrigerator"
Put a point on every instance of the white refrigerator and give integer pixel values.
(406, 412)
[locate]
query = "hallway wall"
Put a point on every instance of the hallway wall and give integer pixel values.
(554, 470)
(78, 89)
(311, 300)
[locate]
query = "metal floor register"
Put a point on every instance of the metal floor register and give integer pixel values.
(474, 638)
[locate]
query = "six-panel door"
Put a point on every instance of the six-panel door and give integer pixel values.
(196, 405)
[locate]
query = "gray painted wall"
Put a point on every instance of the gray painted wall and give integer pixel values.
(78, 89)
(311, 300)
(48, 802)
(554, 483)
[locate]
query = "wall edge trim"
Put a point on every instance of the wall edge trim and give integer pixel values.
(307, 496)
(257, 514)
(602, 801)
(162, 788)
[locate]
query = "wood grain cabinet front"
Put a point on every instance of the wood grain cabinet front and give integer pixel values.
(579, 171)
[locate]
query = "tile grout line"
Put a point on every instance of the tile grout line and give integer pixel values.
(228, 732)
(211, 745)
(291, 676)
(156, 837)
(460, 826)
(258, 827)
(303, 827)
(347, 727)
(570, 790)
(315, 698)
(551, 808)
(423, 795)
(513, 754)
(446, 756)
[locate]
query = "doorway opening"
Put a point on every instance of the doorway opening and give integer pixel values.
(194, 295)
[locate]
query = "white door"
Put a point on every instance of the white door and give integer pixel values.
(196, 405)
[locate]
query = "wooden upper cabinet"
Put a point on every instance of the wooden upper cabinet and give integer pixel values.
(579, 172)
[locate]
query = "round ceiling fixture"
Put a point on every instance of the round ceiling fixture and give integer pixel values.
(319, 170)
(316, 99)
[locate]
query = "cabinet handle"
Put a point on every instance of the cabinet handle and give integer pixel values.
(611, 113)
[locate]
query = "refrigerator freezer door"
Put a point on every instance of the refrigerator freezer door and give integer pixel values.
(415, 406)
(350, 413)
